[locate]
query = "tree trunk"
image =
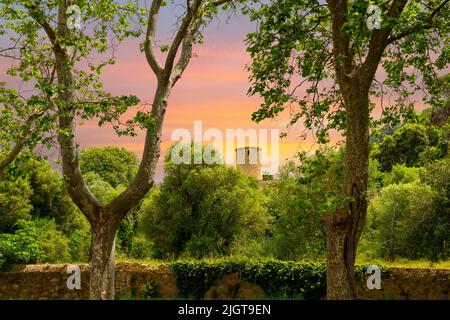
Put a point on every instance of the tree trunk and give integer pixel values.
(102, 273)
(344, 226)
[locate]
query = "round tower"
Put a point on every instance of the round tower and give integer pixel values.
(248, 159)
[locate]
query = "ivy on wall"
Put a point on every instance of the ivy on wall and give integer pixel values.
(279, 279)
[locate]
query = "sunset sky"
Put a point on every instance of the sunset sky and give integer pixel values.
(212, 90)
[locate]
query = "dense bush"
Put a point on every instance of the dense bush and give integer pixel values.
(79, 242)
(297, 231)
(48, 198)
(142, 248)
(20, 247)
(413, 144)
(14, 202)
(53, 242)
(201, 210)
(398, 214)
(116, 166)
(278, 279)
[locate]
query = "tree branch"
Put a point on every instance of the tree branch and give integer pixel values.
(186, 50)
(378, 40)
(182, 31)
(150, 38)
(19, 143)
(427, 25)
(38, 15)
(343, 57)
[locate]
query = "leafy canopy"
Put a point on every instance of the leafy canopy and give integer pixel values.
(293, 64)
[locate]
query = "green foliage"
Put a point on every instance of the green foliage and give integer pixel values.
(142, 248)
(116, 166)
(48, 199)
(79, 242)
(201, 210)
(52, 241)
(104, 24)
(297, 231)
(400, 173)
(435, 231)
(20, 247)
(293, 48)
(14, 202)
(279, 279)
(412, 145)
(23, 121)
(126, 234)
(398, 215)
(297, 201)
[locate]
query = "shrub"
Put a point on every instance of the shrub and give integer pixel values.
(201, 210)
(142, 248)
(278, 279)
(14, 202)
(21, 247)
(52, 241)
(80, 245)
(397, 215)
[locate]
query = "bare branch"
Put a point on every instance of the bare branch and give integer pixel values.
(186, 50)
(150, 38)
(181, 34)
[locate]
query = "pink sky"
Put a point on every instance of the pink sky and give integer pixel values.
(212, 90)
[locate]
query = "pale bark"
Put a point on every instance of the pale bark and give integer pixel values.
(105, 219)
(102, 264)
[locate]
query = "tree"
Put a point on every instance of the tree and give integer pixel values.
(23, 122)
(53, 54)
(398, 213)
(202, 210)
(48, 197)
(436, 230)
(78, 93)
(114, 165)
(412, 145)
(328, 49)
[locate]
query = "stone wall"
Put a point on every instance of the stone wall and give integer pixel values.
(135, 280)
(410, 284)
(50, 282)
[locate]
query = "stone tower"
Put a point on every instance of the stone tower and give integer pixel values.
(248, 159)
